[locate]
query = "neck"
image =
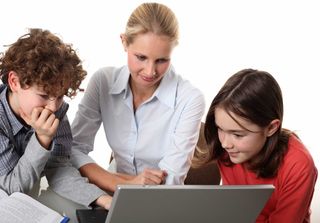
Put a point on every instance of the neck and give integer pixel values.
(14, 107)
(11, 102)
(140, 95)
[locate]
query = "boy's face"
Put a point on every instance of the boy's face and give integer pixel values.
(33, 97)
(26, 99)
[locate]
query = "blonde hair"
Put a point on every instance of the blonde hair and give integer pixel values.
(152, 17)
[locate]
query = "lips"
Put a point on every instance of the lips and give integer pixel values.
(233, 154)
(148, 79)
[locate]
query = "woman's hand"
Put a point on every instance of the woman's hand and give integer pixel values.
(150, 176)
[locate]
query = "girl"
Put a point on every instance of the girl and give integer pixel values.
(244, 132)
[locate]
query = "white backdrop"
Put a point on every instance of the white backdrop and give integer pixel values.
(218, 38)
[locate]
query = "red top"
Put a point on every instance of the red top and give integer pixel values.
(294, 185)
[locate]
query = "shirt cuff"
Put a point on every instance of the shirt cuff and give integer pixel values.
(79, 159)
(36, 154)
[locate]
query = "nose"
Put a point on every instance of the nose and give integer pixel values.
(225, 140)
(150, 69)
(53, 104)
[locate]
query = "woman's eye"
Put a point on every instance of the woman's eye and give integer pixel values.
(162, 61)
(140, 57)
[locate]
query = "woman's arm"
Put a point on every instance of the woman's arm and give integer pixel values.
(109, 181)
(177, 157)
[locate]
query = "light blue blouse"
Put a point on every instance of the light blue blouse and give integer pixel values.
(161, 133)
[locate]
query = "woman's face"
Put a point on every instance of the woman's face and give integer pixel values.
(148, 59)
(241, 144)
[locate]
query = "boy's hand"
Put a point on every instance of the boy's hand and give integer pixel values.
(104, 201)
(45, 124)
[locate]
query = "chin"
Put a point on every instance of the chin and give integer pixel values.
(237, 160)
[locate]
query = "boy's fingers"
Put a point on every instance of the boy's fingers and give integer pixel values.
(44, 115)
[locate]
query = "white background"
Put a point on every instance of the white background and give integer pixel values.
(218, 38)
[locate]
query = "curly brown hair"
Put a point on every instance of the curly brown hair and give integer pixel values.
(40, 58)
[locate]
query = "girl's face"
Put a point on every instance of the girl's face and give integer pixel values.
(241, 144)
(148, 59)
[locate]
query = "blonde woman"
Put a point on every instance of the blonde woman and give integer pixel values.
(151, 115)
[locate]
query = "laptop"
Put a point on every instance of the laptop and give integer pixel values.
(181, 203)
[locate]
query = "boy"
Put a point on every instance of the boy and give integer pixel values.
(35, 136)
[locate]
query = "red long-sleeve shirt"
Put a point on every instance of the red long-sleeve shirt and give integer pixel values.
(294, 185)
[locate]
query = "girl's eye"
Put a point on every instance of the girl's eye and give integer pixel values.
(238, 135)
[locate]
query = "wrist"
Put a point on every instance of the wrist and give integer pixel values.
(104, 201)
(44, 141)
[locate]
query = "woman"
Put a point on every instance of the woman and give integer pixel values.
(151, 116)
(244, 132)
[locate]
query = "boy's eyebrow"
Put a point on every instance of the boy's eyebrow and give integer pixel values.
(44, 94)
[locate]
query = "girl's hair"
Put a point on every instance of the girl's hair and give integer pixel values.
(152, 17)
(255, 96)
(40, 58)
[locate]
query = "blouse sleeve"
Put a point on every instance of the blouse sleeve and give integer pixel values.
(86, 123)
(178, 156)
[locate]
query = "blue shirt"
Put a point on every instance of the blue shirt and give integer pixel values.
(14, 136)
(23, 160)
(161, 133)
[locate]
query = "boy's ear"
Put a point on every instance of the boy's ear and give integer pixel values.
(13, 81)
(273, 127)
(124, 42)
